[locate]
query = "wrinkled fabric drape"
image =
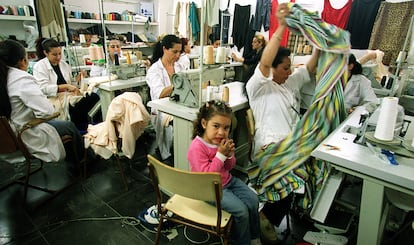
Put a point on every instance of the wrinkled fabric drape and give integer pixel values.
(390, 29)
(283, 167)
(49, 16)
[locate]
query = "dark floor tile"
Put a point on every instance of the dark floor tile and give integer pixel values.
(100, 226)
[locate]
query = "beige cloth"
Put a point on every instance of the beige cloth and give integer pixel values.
(62, 101)
(126, 119)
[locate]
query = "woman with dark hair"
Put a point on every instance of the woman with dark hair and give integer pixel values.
(55, 79)
(159, 79)
(185, 50)
(358, 90)
(21, 101)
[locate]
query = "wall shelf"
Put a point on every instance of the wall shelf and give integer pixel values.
(17, 18)
(109, 22)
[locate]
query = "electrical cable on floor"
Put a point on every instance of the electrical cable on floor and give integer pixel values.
(192, 241)
(126, 220)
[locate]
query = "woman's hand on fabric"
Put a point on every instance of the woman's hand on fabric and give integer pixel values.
(68, 88)
(281, 13)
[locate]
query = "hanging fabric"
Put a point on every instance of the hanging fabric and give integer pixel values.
(390, 29)
(194, 23)
(360, 22)
(240, 24)
(261, 17)
(50, 19)
(338, 17)
(273, 24)
(285, 166)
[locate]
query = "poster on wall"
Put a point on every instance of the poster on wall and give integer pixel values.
(147, 10)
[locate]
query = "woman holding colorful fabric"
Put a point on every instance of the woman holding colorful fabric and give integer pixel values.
(274, 96)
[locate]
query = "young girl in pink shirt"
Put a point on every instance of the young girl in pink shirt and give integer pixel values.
(212, 151)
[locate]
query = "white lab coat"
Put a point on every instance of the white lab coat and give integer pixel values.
(275, 106)
(157, 79)
(28, 102)
(358, 91)
(47, 78)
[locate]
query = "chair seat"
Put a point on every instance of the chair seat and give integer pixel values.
(195, 210)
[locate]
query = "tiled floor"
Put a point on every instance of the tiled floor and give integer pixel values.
(98, 209)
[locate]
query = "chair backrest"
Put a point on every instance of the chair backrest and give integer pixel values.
(250, 130)
(8, 139)
(195, 185)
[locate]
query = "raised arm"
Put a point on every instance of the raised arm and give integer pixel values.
(313, 61)
(270, 51)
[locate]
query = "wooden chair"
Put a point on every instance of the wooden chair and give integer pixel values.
(12, 144)
(190, 192)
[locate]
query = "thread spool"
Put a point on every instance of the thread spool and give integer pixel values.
(306, 49)
(300, 49)
(387, 119)
(209, 93)
(209, 55)
(101, 56)
(116, 59)
(221, 55)
(82, 38)
(93, 53)
(128, 58)
(226, 93)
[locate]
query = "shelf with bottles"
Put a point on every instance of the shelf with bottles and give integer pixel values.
(110, 22)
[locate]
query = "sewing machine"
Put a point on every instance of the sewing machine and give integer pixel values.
(126, 71)
(187, 83)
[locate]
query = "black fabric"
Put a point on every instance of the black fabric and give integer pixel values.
(251, 60)
(240, 25)
(60, 78)
(361, 20)
(276, 211)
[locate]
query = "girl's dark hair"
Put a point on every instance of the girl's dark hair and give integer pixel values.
(207, 111)
(184, 42)
(168, 42)
(11, 52)
(357, 69)
(45, 44)
(281, 54)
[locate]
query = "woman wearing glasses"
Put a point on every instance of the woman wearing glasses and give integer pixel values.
(159, 79)
(114, 47)
(55, 80)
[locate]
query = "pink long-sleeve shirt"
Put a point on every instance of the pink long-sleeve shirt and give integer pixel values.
(204, 157)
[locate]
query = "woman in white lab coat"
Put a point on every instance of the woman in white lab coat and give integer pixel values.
(159, 79)
(22, 100)
(358, 90)
(55, 79)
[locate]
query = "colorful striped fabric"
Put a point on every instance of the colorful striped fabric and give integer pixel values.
(283, 167)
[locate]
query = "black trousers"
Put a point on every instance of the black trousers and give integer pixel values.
(276, 211)
(79, 112)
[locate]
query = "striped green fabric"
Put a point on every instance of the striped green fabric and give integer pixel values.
(286, 166)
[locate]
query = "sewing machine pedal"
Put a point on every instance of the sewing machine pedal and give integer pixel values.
(324, 238)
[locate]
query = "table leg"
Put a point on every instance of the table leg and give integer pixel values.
(370, 213)
(105, 97)
(182, 140)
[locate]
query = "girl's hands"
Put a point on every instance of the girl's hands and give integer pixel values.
(227, 147)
